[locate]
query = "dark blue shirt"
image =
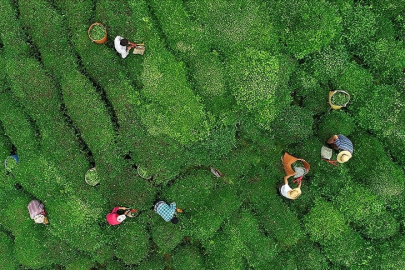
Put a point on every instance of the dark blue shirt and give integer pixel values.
(343, 143)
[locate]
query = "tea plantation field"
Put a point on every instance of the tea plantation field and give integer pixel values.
(231, 85)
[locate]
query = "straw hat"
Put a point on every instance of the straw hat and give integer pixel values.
(294, 193)
(343, 156)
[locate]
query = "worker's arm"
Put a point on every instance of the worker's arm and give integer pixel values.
(332, 139)
(286, 179)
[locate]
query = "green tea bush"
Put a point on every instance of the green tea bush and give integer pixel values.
(160, 157)
(77, 223)
(187, 257)
(375, 168)
(224, 251)
(308, 255)
(78, 92)
(368, 205)
(5, 144)
(385, 58)
(10, 25)
(369, 217)
(383, 113)
(359, 23)
(240, 240)
(209, 76)
(233, 27)
(259, 84)
(18, 126)
(217, 208)
(7, 257)
(174, 110)
(183, 35)
(280, 222)
(321, 229)
(165, 234)
(382, 227)
(130, 241)
(191, 190)
(305, 26)
(327, 64)
(349, 250)
(357, 81)
(153, 262)
(336, 122)
(389, 254)
(294, 124)
(234, 84)
(36, 92)
(258, 249)
(97, 61)
(309, 92)
(220, 142)
(327, 226)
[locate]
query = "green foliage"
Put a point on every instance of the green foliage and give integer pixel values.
(386, 58)
(321, 229)
(336, 122)
(228, 84)
(165, 234)
(359, 24)
(7, 252)
(208, 217)
(187, 257)
(233, 26)
(130, 241)
(293, 124)
(342, 245)
(259, 84)
(305, 26)
(375, 168)
(357, 81)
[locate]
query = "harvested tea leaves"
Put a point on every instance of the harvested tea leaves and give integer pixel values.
(97, 32)
(10, 163)
(91, 177)
(340, 99)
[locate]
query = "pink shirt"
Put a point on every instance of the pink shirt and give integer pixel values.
(112, 217)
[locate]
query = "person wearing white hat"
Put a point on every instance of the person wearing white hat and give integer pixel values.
(37, 212)
(343, 145)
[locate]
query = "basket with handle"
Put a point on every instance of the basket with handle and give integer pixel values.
(334, 106)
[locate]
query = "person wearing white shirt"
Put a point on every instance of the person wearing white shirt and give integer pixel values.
(288, 192)
(123, 46)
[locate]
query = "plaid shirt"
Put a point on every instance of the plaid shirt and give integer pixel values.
(164, 210)
(343, 143)
(35, 208)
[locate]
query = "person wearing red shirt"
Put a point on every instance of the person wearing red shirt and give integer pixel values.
(115, 217)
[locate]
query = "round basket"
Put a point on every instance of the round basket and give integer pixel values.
(9, 167)
(91, 177)
(337, 107)
(143, 173)
(98, 41)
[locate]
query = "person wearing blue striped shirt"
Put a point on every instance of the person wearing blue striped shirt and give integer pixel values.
(343, 145)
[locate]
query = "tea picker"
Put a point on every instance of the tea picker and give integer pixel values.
(167, 212)
(341, 144)
(119, 214)
(298, 172)
(123, 46)
(37, 212)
